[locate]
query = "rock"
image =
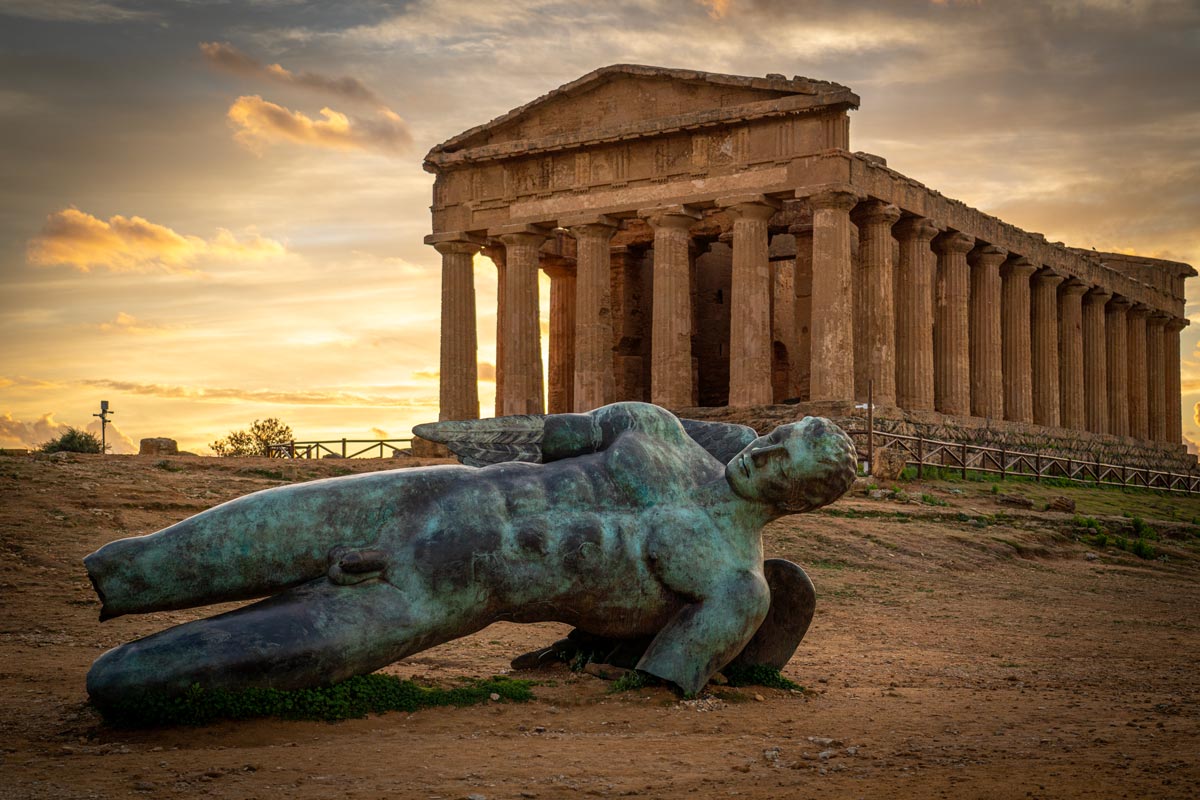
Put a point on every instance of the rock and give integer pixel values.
(759, 698)
(158, 446)
(887, 464)
(493, 697)
(771, 755)
(1063, 504)
(476, 797)
(825, 755)
(423, 448)
(879, 494)
(60, 457)
(1014, 500)
(605, 672)
(1090, 556)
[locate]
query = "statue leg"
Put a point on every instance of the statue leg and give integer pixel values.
(315, 634)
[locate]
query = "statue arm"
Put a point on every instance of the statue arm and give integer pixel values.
(569, 435)
(706, 635)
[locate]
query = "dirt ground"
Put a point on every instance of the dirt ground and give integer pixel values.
(961, 648)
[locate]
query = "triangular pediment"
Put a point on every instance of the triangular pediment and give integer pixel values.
(624, 97)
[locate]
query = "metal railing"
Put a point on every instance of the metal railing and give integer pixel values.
(961, 457)
(338, 448)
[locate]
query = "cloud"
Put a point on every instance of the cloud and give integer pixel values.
(1193, 446)
(379, 433)
(487, 372)
(20, 434)
(331, 397)
(114, 439)
(227, 57)
(72, 11)
(716, 8)
(133, 244)
(127, 323)
(261, 122)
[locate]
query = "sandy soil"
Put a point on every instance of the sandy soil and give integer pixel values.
(959, 650)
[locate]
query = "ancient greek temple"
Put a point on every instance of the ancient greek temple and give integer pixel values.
(712, 242)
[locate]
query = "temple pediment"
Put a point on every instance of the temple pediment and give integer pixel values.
(626, 101)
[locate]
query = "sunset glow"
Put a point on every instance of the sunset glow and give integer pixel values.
(213, 213)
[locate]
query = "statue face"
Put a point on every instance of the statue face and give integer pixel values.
(797, 467)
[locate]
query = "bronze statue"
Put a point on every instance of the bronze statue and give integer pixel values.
(627, 528)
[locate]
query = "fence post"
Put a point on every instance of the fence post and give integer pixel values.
(1003, 462)
(870, 427)
(292, 449)
(1037, 466)
(964, 461)
(1070, 477)
(343, 447)
(920, 456)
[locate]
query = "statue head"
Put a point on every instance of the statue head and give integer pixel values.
(797, 467)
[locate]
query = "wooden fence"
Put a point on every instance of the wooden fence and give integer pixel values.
(923, 453)
(338, 448)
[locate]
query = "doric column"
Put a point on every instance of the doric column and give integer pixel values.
(1017, 356)
(1116, 333)
(1095, 361)
(1070, 355)
(628, 314)
(495, 251)
(832, 359)
(951, 339)
(1156, 376)
(1174, 401)
(802, 283)
(914, 314)
(875, 219)
(459, 380)
(1139, 422)
(593, 385)
(671, 326)
(560, 388)
(522, 335)
(987, 388)
(750, 301)
(1044, 312)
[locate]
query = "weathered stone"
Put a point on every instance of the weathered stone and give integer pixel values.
(887, 464)
(158, 446)
(1014, 500)
(1061, 503)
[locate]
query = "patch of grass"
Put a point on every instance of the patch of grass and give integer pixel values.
(355, 697)
(273, 474)
(931, 500)
(167, 466)
(1090, 523)
(759, 675)
(1143, 530)
(632, 681)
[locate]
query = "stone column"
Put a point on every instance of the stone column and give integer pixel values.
(1044, 312)
(458, 391)
(1017, 355)
(801, 377)
(1070, 355)
(1139, 422)
(1095, 361)
(671, 324)
(628, 318)
(951, 338)
(495, 251)
(593, 385)
(914, 314)
(522, 335)
(750, 301)
(1156, 376)
(1116, 327)
(875, 219)
(1174, 401)
(560, 389)
(987, 388)
(832, 355)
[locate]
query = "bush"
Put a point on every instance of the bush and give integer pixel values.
(73, 441)
(253, 442)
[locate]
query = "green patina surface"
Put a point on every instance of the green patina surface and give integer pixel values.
(629, 530)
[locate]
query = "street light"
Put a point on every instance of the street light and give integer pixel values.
(103, 415)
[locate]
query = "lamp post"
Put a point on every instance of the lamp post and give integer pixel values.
(103, 415)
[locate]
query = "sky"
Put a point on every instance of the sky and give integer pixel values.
(212, 211)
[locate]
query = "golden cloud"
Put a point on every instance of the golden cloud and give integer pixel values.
(379, 433)
(260, 122)
(128, 323)
(227, 57)
(332, 397)
(20, 434)
(133, 244)
(716, 8)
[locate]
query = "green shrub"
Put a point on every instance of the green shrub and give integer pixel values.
(1142, 549)
(1142, 530)
(759, 675)
(72, 441)
(931, 500)
(632, 681)
(355, 697)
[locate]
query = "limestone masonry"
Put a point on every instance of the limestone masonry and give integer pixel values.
(712, 242)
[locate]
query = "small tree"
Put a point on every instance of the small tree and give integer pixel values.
(72, 441)
(253, 442)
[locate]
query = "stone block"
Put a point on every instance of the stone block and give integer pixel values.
(158, 446)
